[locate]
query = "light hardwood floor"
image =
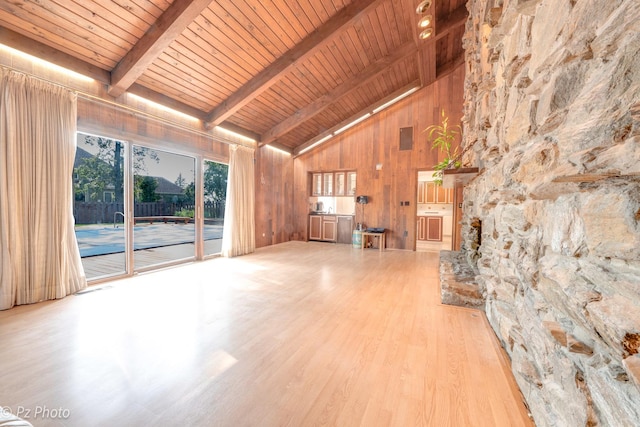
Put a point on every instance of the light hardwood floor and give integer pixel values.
(296, 334)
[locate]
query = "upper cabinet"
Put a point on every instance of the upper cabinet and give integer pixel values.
(338, 183)
(429, 192)
(351, 184)
(316, 184)
(327, 186)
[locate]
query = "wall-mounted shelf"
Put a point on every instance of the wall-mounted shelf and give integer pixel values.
(462, 176)
(592, 177)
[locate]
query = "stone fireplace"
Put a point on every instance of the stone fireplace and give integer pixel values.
(552, 121)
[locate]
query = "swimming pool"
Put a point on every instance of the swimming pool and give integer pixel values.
(102, 240)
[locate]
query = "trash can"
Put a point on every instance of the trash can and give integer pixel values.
(356, 239)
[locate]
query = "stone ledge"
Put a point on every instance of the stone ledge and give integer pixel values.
(458, 282)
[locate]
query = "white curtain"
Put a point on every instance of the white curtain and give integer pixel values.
(238, 235)
(39, 255)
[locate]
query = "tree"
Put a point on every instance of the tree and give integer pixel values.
(215, 181)
(107, 166)
(145, 189)
(92, 177)
(190, 193)
(180, 181)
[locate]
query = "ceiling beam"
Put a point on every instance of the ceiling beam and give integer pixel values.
(323, 102)
(181, 107)
(46, 53)
(166, 101)
(160, 35)
(303, 50)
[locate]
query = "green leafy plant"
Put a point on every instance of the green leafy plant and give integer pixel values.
(442, 137)
(187, 213)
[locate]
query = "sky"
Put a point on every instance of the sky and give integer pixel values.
(170, 165)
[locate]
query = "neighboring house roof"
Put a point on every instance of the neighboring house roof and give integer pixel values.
(81, 156)
(167, 187)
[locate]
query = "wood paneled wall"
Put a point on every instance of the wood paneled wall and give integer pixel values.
(376, 141)
(274, 197)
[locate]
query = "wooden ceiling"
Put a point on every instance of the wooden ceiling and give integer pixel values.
(283, 71)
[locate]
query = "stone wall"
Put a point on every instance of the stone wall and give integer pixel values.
(552, 119)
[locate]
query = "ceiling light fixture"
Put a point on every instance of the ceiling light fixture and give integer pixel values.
(426, 33)
(280, 150)
(161, 107)
(353, 123)
(424, 21)
(236, 134)
(423, 7)
(394, 100)
(315, 144)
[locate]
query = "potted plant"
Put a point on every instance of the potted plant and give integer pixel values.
(442, 137)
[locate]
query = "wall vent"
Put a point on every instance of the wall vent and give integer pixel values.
(406, 138)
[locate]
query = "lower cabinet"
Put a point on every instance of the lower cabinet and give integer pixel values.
(331, 228)
(315, 227)
(430, 228)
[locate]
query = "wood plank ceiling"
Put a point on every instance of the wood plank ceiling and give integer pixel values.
(283, 71)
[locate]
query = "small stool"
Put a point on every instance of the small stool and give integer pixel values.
(380, 236)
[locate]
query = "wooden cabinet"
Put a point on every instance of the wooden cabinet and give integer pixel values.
(351, 184)
(429, 192)
(316, 184)
(323, 228)
(327, 184)
(421, 228)
(315, 227)
(329, 228)
(422, 192)
(340, 183)
(333, 183)
(429, 228)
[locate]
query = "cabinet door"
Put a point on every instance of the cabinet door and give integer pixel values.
(351, 184)
(421, 191)
(327, 185)
(434, 228)
(329, 229)
(430, 195)
(421, 228)
(340, 183)
(441, 194)
(315, 227)
(316, 184)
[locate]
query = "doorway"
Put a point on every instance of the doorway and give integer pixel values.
(434, 219)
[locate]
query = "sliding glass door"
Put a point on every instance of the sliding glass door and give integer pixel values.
(164, 207)
(135, 206)
(215, 193)
(98, 186)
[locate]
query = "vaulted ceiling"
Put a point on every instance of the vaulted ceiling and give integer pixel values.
(282, 71)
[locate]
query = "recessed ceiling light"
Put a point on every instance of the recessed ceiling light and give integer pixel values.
(426, 33)
(424, 21)
(423, 7)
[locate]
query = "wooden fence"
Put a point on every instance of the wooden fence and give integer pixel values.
(110, 213)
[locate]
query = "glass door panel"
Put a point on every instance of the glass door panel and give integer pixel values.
(98, 209)
(215, 195)
(164, 207)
